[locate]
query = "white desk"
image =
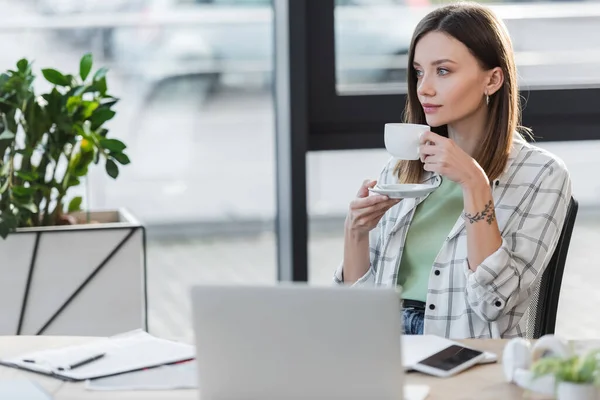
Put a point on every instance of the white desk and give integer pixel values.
(483, 382)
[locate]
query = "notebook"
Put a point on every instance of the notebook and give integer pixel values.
(104, 357)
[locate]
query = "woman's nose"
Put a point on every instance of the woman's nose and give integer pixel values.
(425, 87)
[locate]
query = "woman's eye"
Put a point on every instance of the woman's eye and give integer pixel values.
(443, 71)
(419, 73)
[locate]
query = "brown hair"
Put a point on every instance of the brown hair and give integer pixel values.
(487, 39)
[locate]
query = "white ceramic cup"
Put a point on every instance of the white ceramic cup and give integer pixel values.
(402, 140)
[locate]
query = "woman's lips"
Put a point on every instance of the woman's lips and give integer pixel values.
(430, 108)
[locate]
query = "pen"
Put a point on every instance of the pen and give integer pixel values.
(82, 362)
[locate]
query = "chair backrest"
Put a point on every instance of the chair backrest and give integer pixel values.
(544, 304)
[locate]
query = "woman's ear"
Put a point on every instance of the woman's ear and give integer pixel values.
(495, 80)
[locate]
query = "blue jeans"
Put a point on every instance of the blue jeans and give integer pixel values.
(412, 321)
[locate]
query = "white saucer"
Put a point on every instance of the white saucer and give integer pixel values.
(403, 191)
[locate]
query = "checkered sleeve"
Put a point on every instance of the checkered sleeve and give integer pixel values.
(375, 243)
(500, 282)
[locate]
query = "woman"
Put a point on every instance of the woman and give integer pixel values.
(468, 256)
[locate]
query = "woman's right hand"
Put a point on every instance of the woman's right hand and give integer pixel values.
(366, 211)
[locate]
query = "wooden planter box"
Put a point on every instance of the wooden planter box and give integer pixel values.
(87, 279)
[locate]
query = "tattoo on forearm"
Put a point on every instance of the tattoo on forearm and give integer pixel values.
(488, 214)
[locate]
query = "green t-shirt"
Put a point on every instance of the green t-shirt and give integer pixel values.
(431, 224)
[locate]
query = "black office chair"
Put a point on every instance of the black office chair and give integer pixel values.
(544, 305)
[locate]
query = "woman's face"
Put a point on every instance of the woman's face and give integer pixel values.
(451, 84)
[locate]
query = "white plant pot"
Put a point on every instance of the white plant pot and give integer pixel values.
(576, 391)
(86, 279)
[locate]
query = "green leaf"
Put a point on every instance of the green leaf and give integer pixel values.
(72, 103)
(100, 116)
(79, 130)
(87, 156)
(8, 223)
(12, 122)
(55, 102)
(570, 369)
(89, 108)
(22, 65)
(37, 120)
(64, 126)
(7, 135)
(81, 170)
(27, 176)
(75, 204)
(80, 90)
(4, 187)
(55, 77)
(121, 158)
(101, 73)
(588, 367)
(100, 85)
(112, 145)
(110, 103)
(73, 181)
(109, 99)
(27, 152)
(71, 79)
(22, 191)
(4, 229)
(6, 105)
(85, 66)
(74, 161)
(112, 169)
(29, 207)
(546, 365)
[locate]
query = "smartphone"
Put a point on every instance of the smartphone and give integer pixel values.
(450, 361)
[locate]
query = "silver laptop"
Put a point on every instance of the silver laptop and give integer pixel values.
(294, 341)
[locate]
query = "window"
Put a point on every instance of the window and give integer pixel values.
(199, 132)
(554, 43)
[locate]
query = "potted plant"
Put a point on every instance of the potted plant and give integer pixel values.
(576, 377)
(59, 261)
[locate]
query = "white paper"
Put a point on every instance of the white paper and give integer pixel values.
(185, 376)
(125, 352)
(22, 390)
(416, 392)
(168, 377)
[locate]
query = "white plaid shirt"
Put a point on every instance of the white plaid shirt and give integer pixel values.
(531, 199)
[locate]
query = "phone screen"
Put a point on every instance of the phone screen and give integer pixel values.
(451, 357)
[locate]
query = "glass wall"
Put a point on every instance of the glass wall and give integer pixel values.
(196, 112)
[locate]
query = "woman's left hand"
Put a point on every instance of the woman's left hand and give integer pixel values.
(444, 156)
